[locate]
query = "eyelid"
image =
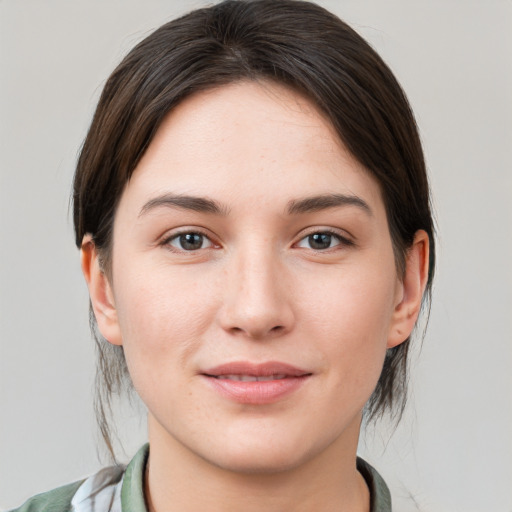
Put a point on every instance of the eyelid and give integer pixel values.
(171, 235)
(344, 238)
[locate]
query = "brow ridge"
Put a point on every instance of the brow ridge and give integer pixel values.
(295, 206)
(325, 201)
(185, 202)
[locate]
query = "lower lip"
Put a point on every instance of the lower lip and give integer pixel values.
(257, 392)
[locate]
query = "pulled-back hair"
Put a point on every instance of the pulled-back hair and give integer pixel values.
(294, 43)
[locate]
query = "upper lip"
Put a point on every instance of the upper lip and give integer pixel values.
(256, 369)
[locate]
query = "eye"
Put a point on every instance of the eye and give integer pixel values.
(190, 241)
(322, 240)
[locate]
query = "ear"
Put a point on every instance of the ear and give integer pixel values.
(410, 291)
(100, 292)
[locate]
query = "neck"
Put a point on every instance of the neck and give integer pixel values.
(179, 480)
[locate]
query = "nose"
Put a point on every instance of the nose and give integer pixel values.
(257, 301)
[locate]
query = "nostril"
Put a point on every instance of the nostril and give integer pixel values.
(259, 333)
(276, 331)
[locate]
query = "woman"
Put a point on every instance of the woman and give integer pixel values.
(252, 210)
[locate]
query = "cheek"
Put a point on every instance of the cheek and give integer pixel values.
(159, 298)
(351, 313)
(162, 316)
(358, 302)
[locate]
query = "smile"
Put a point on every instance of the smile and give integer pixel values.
(251, 378)
(256, 384)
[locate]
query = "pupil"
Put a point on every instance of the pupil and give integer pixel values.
(191, 241)
(320, 241)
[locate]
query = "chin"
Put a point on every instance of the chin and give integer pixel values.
(259, 462)
(263, 454)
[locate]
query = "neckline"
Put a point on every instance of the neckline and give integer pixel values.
(132, 491)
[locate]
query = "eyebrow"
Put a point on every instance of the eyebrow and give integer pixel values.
(295, 206)
(325, 201)
(196, 204)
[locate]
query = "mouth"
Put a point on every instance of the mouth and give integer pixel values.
(256, 384)
(250, 378)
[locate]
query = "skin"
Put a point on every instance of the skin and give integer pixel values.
(255, 288)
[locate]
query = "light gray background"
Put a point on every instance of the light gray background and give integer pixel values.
(453, 452)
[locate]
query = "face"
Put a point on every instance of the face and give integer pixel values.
(253, 283)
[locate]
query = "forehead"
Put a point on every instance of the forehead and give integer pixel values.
(260, 142)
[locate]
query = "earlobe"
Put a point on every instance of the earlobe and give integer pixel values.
(412, 287)
(100, 292)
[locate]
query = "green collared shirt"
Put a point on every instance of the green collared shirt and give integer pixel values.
(117, 490)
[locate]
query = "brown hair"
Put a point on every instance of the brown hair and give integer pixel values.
(295, 43)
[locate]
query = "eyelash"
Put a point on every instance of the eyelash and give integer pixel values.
(167, 242)
(341, 240)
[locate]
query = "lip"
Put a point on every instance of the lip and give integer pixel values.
(288, 379)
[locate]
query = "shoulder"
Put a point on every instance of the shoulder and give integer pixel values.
(380, 498)
(101, 492)
(98, 493)
(57, 500)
